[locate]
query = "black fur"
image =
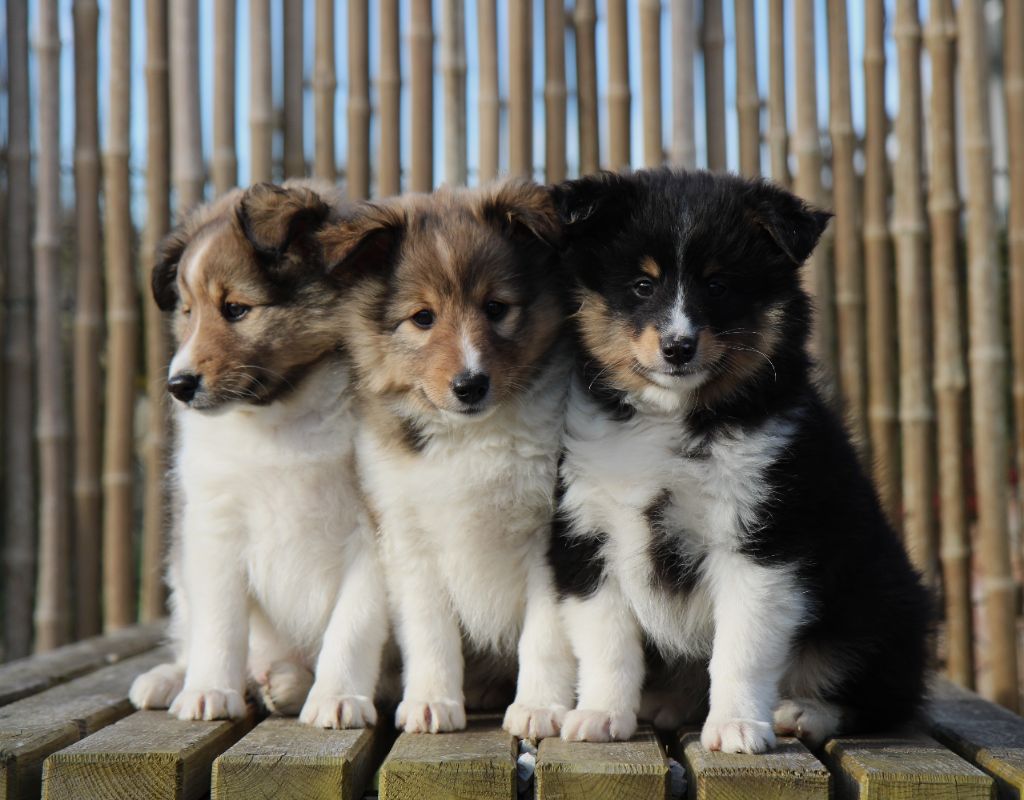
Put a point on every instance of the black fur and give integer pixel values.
(675, 567)
(576, 561)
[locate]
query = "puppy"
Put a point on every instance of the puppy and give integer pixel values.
(712, 504)
(454, 321)
(273, 569)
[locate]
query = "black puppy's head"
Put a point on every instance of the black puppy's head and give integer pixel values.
(687, 281)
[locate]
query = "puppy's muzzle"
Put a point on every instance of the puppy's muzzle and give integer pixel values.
(678, 350)
(471, 387)
(183, 386)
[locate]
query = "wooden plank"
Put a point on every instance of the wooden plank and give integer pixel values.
(789, 772)
(28, 676)
(478, 763)
(283, 759)
(985, 734)
(592, 771)
(149, 755)
(908, 767)
(33, 728)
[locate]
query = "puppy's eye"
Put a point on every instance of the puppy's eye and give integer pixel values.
(424, 318)
(717, 288)
(643, 287)
(495, 311)
(234, 311)
(186, 310)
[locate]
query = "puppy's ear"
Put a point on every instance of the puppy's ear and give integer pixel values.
(592, 204)
(362, 242)
(275, 219)
(792, 224)
(523, 209)
(164, 278)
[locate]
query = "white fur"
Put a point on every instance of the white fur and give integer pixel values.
(274, 563)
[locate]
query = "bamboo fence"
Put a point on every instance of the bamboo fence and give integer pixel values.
(927, 345)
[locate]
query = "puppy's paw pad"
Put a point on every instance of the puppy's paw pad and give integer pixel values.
(285, 687)
(737, 735)
(534, 722)
(338, 711)
(208, 704)
(586, 725)
(440, 716)
(158, 687)
(810, 720)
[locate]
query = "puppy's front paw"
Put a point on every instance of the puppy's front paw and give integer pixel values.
(533, 722)
(284, 687)
(586, 725)
(440, 716)
(208, 704)
(737, 735)
(157, 687)
(325, 710)
(810, 720)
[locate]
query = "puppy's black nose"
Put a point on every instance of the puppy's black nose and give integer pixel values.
(183, 386)
(471, 387)
(680, 350)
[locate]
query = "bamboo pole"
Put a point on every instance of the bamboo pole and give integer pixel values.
(225, 157)
(19, 362)
(1013, 82)
(325, 85)
(852, 362)
(883, 424)
(358, 170)
(453, 68)
(154, 449)
(917, 416)
(88, 326)
(489, 102)
(950, 370)
(421, 41)
(186, 139)
(778, 127)
(52, 597)
(520, 89)
(714, 84)
(389, 175)
(261, 99)
(748, 103)
(987, 358)
(618, 86)
(650, 80)
(294, 157)
(585, 23)
(684, 38)
(554, 91)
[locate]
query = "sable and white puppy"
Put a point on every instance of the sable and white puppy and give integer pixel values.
(712, 504)
(454, 323)
(273, 568)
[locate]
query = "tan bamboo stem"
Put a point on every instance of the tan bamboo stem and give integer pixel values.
(714, 83)
(520, 89)
(987, 359)
(294, 156)
(778, 127)
(186, 140)
(554, 91)
(650, 72)
(618, 85)
(684, 39)
(950, 370)
(748, 103)
(325, 85)
(453, 69)
(154, 448)
(883, 423)
(261, 100)
(19, 361)
(358, 100)
(88, 326)
(421, 41)
(52, 615)
(225, 156)
(849, 267)
(489, 102)
(389, 174)
(585, 22)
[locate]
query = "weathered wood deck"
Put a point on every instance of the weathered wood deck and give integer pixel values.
(67, 730)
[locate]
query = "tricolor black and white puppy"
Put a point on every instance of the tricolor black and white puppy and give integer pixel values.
(273, 566)
(712, 504)
(455, 323)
